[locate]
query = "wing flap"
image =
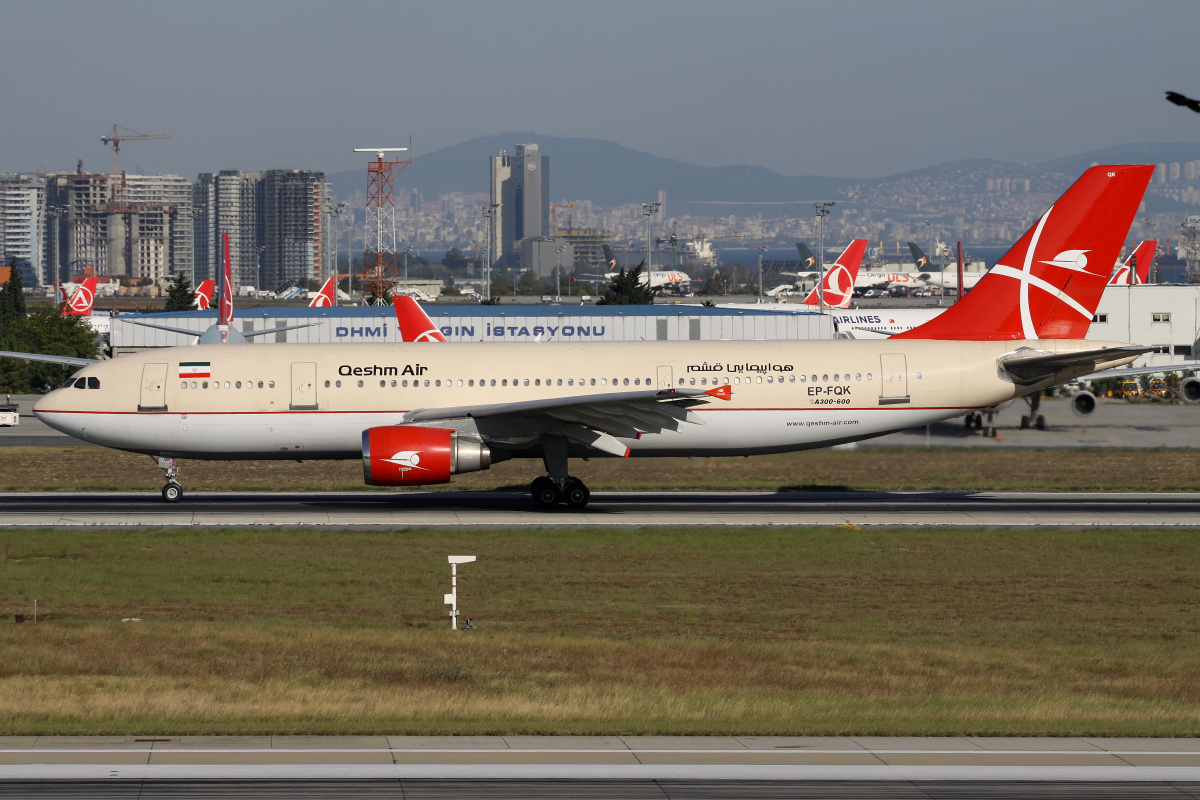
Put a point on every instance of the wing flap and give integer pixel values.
(1026, 369)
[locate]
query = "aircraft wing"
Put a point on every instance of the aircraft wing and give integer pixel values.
(595, 420)
(252, 334)
(187, 332)
(1030, 366)
(69, 360)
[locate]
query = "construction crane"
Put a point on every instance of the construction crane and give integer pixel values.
(116, 139)
(554, 207)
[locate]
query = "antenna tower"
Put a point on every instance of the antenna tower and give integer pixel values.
(379, 255)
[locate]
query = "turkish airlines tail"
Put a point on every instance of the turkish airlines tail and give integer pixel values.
(225, 308)
(80, 304)
(326, 296)
(415, 324)
(1136, 269)
(204, 295)
(1049, 284)
(840, 277)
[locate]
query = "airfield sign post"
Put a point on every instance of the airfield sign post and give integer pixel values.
(451, 599)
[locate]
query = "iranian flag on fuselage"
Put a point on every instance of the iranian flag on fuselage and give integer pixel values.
(193, 369)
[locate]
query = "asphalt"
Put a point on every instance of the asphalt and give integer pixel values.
(600, 759)
(607, 509)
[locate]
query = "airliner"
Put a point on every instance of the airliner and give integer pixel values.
(204, 295)
(1135, 270)
(838, 286)
(942, 278)
(327, 296)
(81, 303)
(418, 415)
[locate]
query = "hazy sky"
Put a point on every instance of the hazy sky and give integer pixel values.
(848, 88)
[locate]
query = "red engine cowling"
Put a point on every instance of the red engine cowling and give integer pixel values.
(407, 455)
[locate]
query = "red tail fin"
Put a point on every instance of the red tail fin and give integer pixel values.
(80, 304)
(840, 277)
(225, 312)
(1049, 284)
(325, 297)
(204, 295)
(415, 325)
(1143, 258)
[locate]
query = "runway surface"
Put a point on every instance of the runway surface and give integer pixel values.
(502, 509)
(601, 766)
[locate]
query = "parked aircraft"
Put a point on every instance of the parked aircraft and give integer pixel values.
(415, 324)
(419, 415)
(1136, 269)
(81, 300)
(838, 286)
(204, 295)
(327, 296)
(934, 275)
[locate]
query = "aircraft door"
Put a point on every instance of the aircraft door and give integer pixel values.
(893, 375)
(666, 378)
(153, 396)
(304, 386)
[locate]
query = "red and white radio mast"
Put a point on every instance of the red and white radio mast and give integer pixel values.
(379, 256)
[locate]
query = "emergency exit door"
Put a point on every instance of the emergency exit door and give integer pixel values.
(665, 378)
(153, 396)
(304, 386)
(893, 374)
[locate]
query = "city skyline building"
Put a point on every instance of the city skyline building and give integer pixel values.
(22, 222)
(520, 193)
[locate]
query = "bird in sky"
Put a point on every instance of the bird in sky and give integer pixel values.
(1180, 100)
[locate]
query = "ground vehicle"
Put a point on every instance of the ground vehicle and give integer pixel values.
(1131, 390)
(1158, 388)
(9, 415)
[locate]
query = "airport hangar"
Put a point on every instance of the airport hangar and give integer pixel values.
(476, 323)
(1165, 317)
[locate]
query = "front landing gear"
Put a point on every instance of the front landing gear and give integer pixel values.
(173, 491)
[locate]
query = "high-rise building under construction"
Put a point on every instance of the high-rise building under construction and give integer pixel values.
(275, 221)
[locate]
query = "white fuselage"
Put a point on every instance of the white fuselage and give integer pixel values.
(298, 401)
(948, 279)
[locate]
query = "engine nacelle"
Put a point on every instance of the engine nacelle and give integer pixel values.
(1189, 389)
(1083, 403)
(407, 455)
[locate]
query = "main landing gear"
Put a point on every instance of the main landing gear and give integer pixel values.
(975, 420)
(558, 486)
(1033, 417)
(173, 491)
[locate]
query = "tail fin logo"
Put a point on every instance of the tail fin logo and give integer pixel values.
(1074, 260)
(922, 262)
(81, 300)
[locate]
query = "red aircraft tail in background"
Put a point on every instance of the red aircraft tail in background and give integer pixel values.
(225, 310)
(326, 297)
(415, 324)
(840, 277)
(1143, 258)
(204, 295)
(1049, 284)
(80, 303)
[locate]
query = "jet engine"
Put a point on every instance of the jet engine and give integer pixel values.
(1083, 403)
(407, 455)
(1189, 389)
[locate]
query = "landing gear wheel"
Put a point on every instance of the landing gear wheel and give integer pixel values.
(1024, 422)
(1041, 423)
(544, 492)
(979, 422)
(968, 421)
(576, 495)
(172, 492)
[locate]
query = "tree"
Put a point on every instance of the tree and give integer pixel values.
(529, 284)
(179, 293)
(12, 299)
(454, 260)
(501, 286)
(627, 289)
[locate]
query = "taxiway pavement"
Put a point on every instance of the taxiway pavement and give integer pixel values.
(607, 509)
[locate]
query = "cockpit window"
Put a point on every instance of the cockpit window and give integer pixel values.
(70, 382)
(93, 383)
(81, 384)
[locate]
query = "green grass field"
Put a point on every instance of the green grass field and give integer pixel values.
(698, 631)
(71, 468)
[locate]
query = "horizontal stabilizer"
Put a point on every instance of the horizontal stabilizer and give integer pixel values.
(1031, 366)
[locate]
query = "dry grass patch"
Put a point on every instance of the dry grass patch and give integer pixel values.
(651, 631)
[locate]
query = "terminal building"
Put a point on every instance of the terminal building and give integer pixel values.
(476, 323)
